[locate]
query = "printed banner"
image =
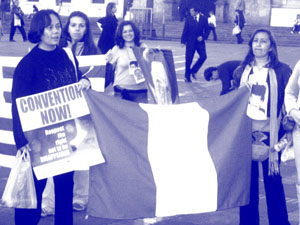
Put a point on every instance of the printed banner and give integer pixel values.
(60, 132)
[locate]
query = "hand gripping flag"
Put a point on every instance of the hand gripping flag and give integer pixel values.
(164, 160)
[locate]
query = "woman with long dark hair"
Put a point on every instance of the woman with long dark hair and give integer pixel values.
(77, 35)
(127, 85)
(109, 25)
(266, 78)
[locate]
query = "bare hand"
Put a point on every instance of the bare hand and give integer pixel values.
(108, 56)
(84, 84)
(25, 147)
(200, 38)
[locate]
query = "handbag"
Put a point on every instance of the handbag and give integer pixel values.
(20, 191)
(260, 145)
(236, 30)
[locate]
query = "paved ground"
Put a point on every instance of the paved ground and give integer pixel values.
(217, 53)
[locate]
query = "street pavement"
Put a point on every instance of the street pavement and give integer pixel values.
(217, 53)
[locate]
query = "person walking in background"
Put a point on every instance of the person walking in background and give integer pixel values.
(126, 84)
(224, 72)
(34, 11)
(77, 36)
(194, 34)
(109, 25)
(266, 78)
(241, 7)
(17, 21)
(291, 100)
(296, 26)
(239, 21)
(44, 68)
(212, 23)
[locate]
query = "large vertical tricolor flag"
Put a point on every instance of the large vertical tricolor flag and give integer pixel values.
(164, 160)
(93, 66)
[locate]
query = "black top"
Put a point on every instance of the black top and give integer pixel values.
(193, 29)
(107, 38)
(37, 72)
(225, 71)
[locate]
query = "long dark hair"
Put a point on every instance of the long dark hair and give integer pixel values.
(119, 38)
(109, 8)
(89, 45)
(273, 55)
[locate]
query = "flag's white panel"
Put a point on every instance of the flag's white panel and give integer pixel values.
(97, 83)
(9, 61)
(7, 160)
(6, 85)
(184, 173)
(5, 111)
(95, 60)
(7, 137)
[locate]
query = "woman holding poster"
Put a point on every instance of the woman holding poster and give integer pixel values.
(44, 68)
(266, 78)
(77, 36)
(128, 82)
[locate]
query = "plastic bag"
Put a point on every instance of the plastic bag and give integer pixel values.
(20, 191)
(288, 153)
(236, 30)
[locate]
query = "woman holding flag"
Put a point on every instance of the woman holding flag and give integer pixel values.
(77, 36)
(266, 78)
(44, 68)
(126, 83)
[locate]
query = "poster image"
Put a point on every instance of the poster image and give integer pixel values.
(61, 135)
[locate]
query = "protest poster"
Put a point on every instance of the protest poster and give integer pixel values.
(158, 68)
(60, 131)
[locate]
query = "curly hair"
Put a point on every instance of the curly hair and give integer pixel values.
(119, 34)
(272, 53)
(87, 39)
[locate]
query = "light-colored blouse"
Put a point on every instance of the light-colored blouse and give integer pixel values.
(292, 94)
(120, 60)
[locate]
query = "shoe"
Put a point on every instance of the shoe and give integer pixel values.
(12, 40)
(187, 80)
(78, 207)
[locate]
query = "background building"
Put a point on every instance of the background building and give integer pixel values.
(93, 8)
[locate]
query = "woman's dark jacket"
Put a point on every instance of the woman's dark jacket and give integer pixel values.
(107, 38)
(37, 72)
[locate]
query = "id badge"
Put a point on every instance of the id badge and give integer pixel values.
(136, 72)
